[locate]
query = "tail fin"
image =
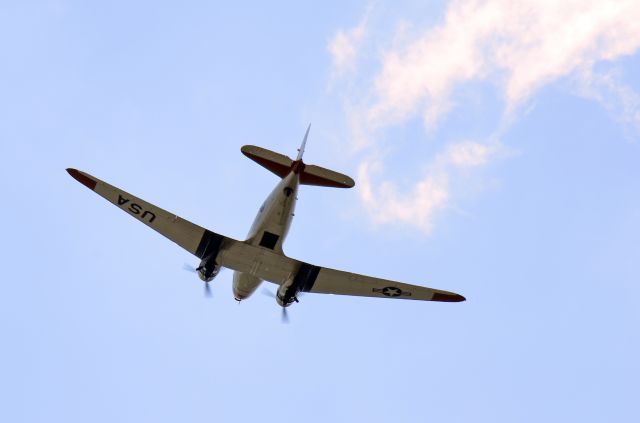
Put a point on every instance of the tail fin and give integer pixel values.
(304, 143)
(282, 165)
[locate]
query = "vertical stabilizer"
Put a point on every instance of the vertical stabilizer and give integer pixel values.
(304, 143)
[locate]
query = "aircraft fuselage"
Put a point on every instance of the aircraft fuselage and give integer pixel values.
(269, 229)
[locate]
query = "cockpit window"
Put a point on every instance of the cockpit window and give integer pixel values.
(288, 191)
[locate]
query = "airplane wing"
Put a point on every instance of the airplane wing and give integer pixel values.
(331, 281)
(197, 240)
(279, 269)
(193, 238)
(267, 265)
(257, 261)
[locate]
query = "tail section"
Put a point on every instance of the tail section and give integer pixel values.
(282, 165)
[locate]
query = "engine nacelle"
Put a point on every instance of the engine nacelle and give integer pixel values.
(302, 282)
(287, 294)
(208, 270)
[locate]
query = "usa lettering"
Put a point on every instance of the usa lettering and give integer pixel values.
(136, 209)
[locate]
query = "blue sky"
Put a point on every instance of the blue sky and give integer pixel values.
(500, 162)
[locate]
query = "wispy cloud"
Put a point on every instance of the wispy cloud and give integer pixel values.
(517, 46)
(429, 194)
(522, 45)
(344, 47)
(607, 88)
(386, 203)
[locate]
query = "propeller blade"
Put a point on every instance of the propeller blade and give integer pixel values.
(189, 268)
(207, 290)
(267, 292)
(285, 315)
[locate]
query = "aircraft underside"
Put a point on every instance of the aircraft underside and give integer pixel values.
(260, 257)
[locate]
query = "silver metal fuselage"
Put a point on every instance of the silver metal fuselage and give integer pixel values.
(273, 220)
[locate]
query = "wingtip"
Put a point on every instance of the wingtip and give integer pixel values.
(448, 297)
(82, 178)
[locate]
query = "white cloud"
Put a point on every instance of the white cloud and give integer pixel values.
(344, 46)
(387, 205)
(526, 44)
(622, 102)
(430, 194)
(468, 154)
(518, 46)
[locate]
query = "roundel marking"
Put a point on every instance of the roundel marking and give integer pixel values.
(391, 291)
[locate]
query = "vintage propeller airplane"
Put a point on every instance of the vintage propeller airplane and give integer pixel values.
(260, 257)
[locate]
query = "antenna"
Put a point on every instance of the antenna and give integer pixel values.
(304, 143)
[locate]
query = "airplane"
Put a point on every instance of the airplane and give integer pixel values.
(260, 257)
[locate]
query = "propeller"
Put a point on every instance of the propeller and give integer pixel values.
(207, 288)
(285, 315)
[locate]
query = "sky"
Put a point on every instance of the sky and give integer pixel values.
(496, 150)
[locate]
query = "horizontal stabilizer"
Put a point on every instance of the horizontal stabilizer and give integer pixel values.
(281, 165)
(316, 175)
(275, 162)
